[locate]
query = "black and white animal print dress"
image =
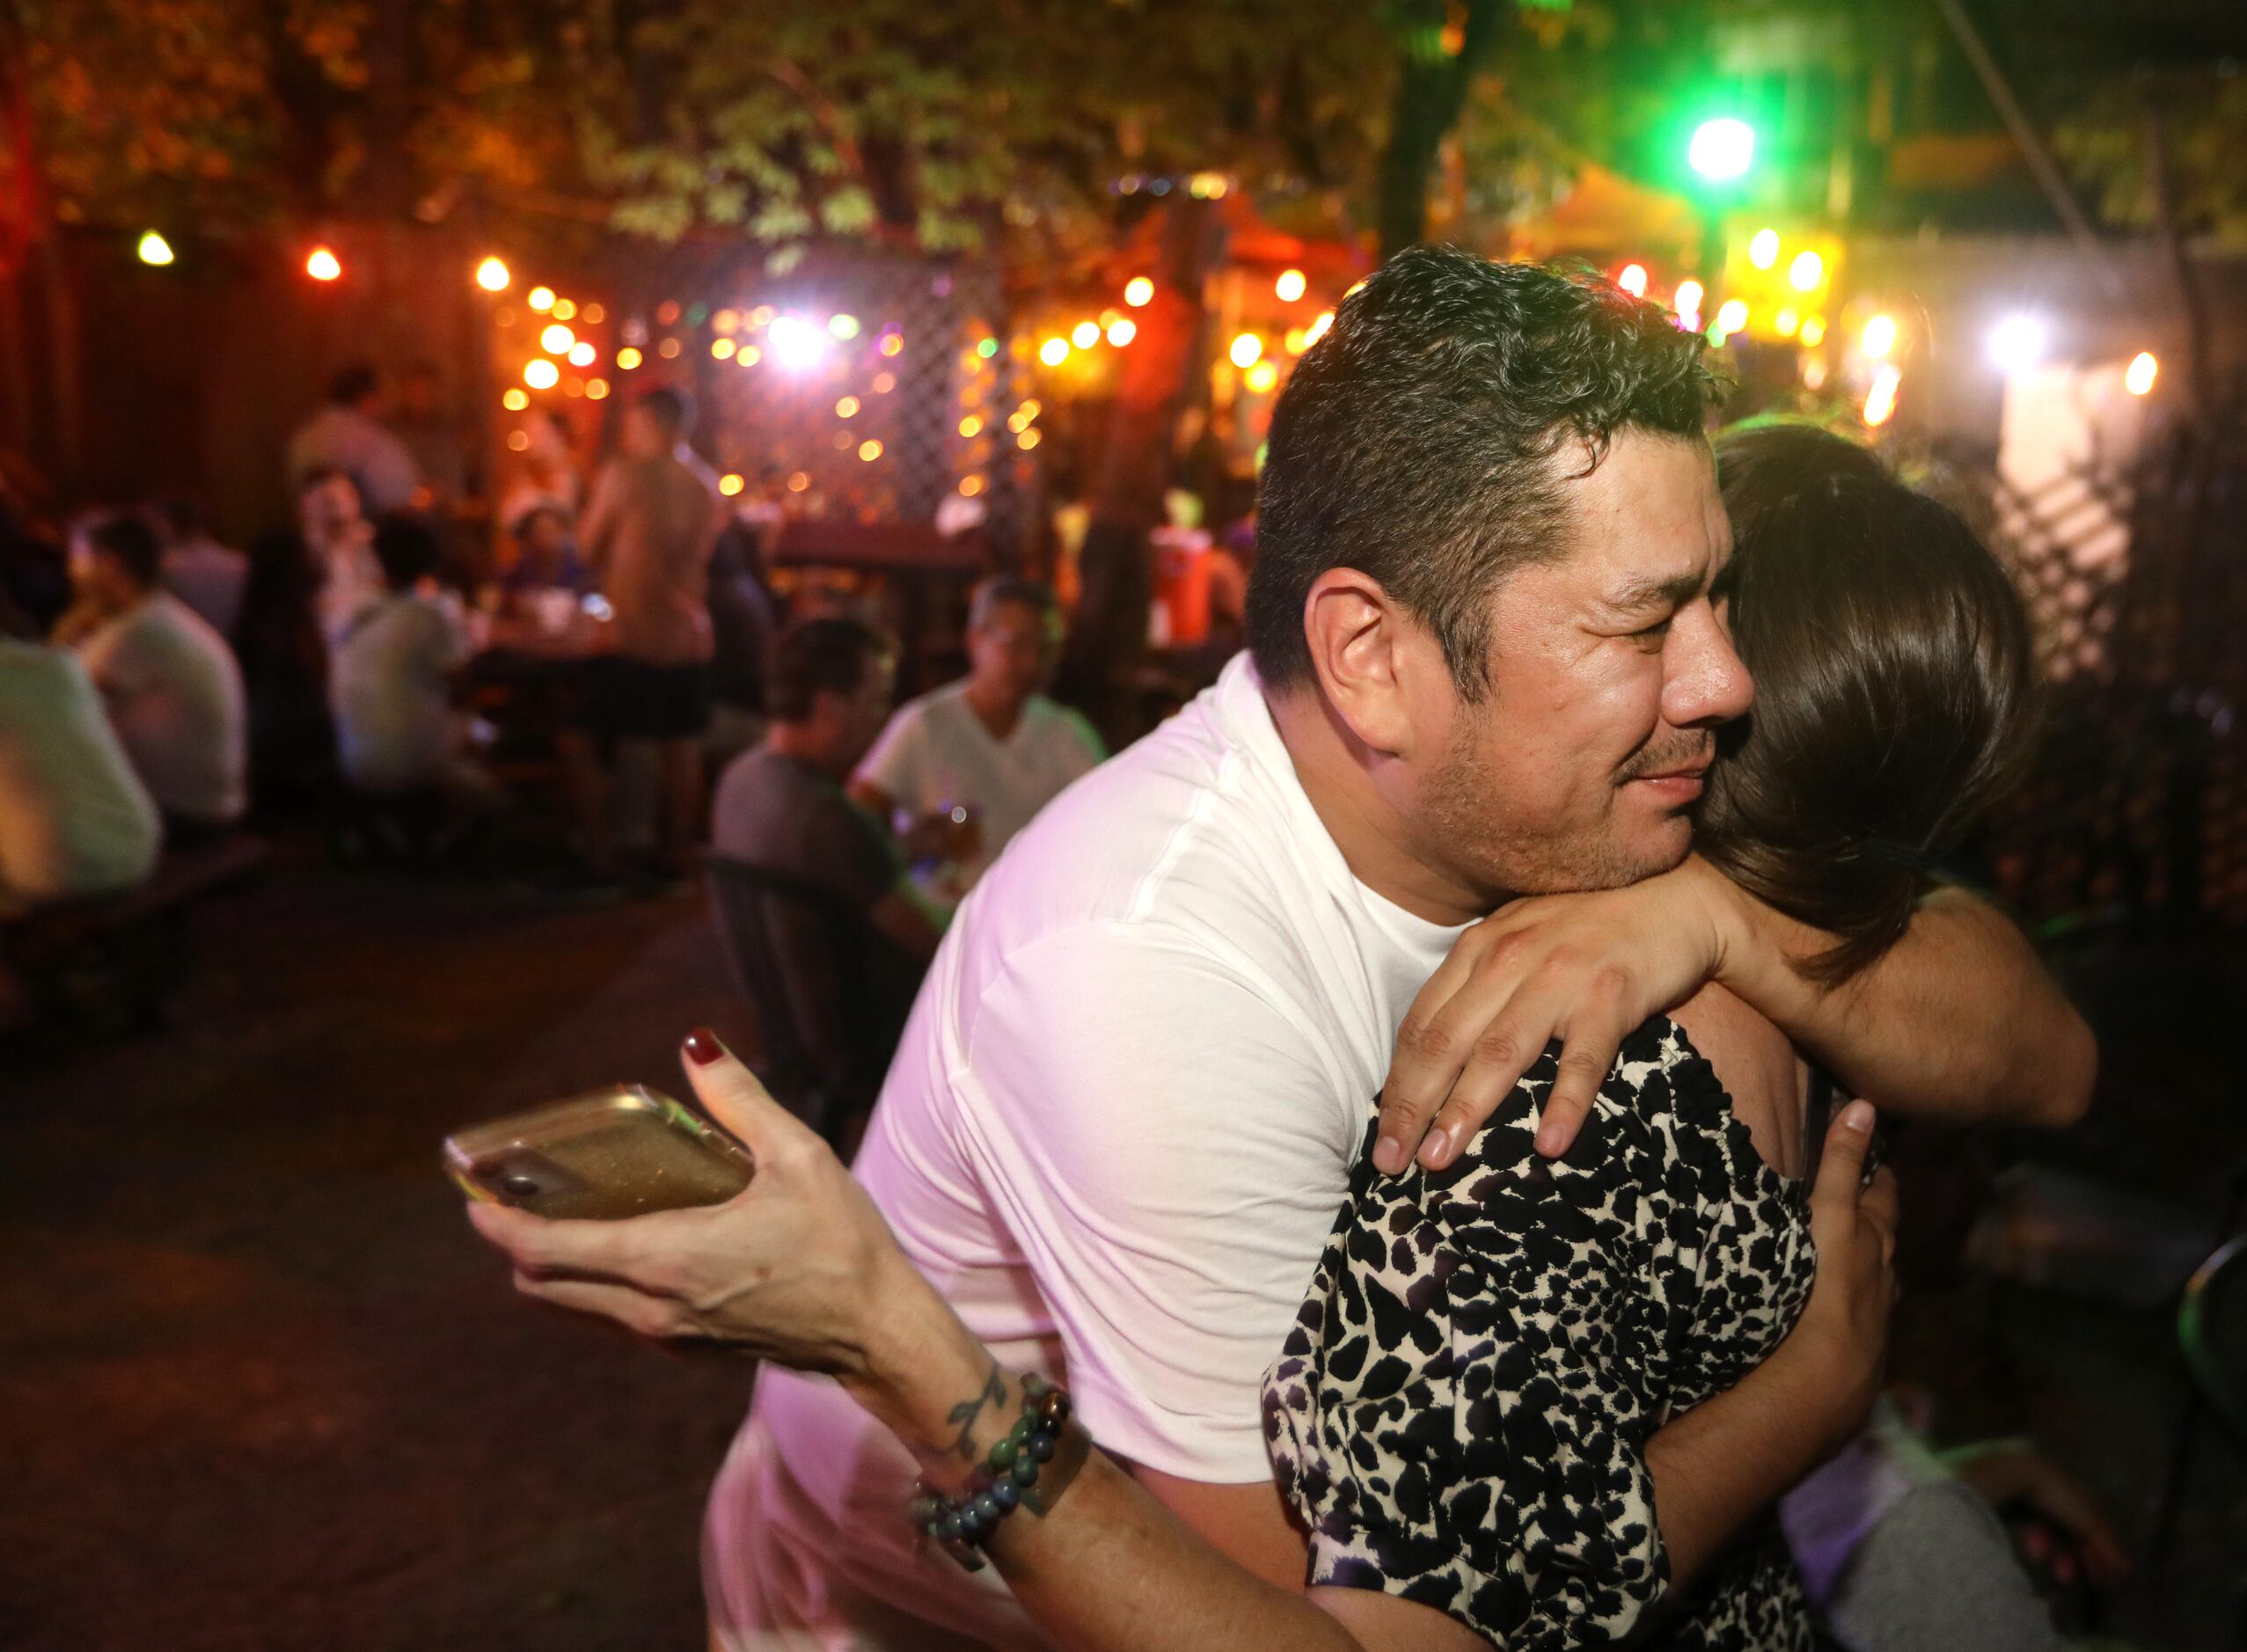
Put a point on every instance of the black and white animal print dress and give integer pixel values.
(1462, 1413)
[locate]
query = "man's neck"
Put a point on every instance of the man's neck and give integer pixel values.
(997, 711)
(801, 742)
(1376, 841)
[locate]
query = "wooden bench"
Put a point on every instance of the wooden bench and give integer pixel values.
(131, 948)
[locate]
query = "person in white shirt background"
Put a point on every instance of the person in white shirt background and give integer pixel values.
(390, 680)
(208, 576)
(172, 686)
(974, 761)
(75, 820)
(348, 434)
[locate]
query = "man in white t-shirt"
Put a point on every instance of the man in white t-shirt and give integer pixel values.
(208, 576)
(987, 752)
(170, 682)
(75, 822)
(348, 434)
(1489, 659)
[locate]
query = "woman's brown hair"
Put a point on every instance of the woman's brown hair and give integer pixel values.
(1894, 688)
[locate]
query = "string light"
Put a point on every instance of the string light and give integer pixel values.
(564, 310)
(1814, 331)
(1731, 315)
(515, 399)
(1290, 286)
(628, 358)
(726, 321)
(1054, 351)
(154, 249)
(1246, 348)
(541, 374)
(557, 339)
(843, 326)
(1137, 291)
(1122, 331)
(722, 350)
(322, 264)
(1879, 337)
(1880, 400)
(1763, 249)
(1786, 323)
(540, 298)
(970, 486)
(1633, 280)
(1261, 377)
(731, 483)
(582, 354)
(1806, 272)
(796, 342)
(892, 342)
(2138, 377)
(1085, 335)
(846, 408)
(492, 275)
(869, 450)
(1026, 439)
(971, 426)
(1688, 301)
(595, 388)
(2017, 343)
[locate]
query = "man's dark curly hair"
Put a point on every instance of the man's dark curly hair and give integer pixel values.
(1416, 441)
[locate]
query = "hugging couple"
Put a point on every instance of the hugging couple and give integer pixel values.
(1547, 875)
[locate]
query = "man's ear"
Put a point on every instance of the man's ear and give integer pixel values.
(1363, 646)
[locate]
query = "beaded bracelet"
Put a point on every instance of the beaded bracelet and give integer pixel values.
(1029, 1466)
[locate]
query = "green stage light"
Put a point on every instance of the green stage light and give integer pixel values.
(1721, 150)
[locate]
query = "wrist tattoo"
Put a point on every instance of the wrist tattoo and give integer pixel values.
(994, 1393)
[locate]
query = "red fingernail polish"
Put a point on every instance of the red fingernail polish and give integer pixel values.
(702, 1047)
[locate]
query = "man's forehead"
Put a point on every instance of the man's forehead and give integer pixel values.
(1649, 525)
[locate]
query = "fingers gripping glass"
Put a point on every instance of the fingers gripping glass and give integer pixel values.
(618, 1153)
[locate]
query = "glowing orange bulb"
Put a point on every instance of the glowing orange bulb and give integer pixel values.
(322, 264)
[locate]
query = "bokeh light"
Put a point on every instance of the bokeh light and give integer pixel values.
(540, 298)
(1290, 286)
(1247, 348)
(2138, 377)
(541, 374)
(322, 264)
(492, 275)
(1137, 290)
(1122, 331)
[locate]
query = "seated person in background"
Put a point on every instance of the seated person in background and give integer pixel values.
(348, 434)
(781, 811)
(174, 690)
(75, 820)
(208, 576)
(545, 557)
(743, 624)
(282, 646)
(395, 728)
(991, 747)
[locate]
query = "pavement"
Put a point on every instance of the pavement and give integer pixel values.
(260, 1386)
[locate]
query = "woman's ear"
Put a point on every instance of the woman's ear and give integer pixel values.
(1364, 648)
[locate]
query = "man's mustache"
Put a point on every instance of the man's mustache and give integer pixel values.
(1696, 752)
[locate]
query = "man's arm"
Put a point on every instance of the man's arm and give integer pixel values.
(1956, 1021)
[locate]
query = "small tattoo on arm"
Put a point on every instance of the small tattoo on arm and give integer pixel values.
(994, 1393)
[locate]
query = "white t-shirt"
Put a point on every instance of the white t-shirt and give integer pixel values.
(340, 438)
(391, 691)
(936, 751)
(1116, 1136)
(74, 820)
(175, 696)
